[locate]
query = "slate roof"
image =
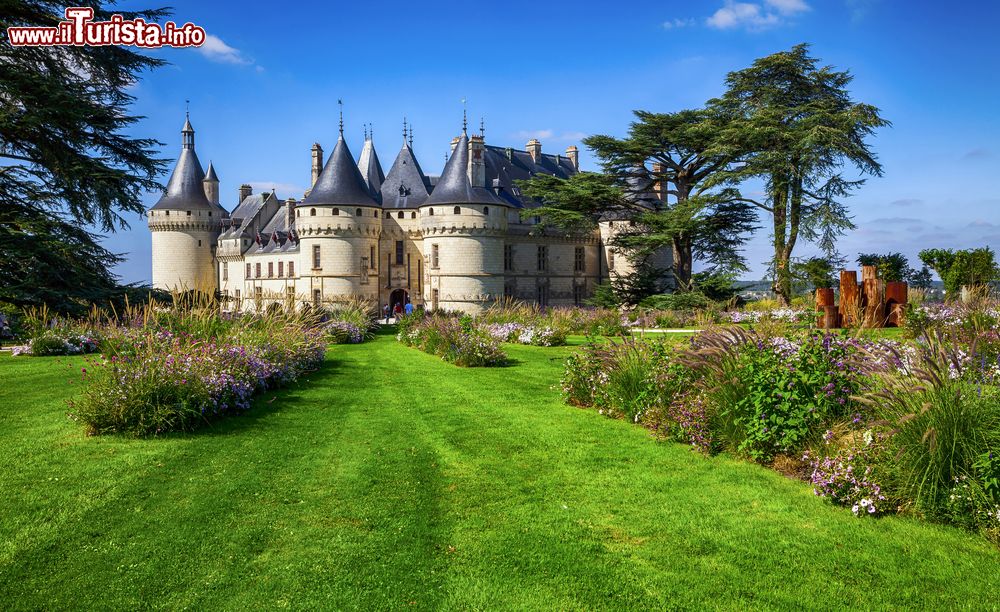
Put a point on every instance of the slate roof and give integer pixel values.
(184, 188)
(371, 169)
(406, 185)
(210, 173)
(340, 183)
(454, 187)
(243, 215)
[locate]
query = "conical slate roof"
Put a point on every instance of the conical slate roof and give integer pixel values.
(406, 185)
(371, 169)
(454, 187)
(340, 183)
(210, 173)
(184, 189)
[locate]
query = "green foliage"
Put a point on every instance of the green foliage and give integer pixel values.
(891, 266)
(940, 428)
(604, 296)
(70, 161)
(456, 340)
(793, 125)
(817, 271)
(716, 285)
(970, 268)
(921, 279)
(772, 403)
(691, 300)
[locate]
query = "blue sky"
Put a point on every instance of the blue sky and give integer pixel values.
(266, 86)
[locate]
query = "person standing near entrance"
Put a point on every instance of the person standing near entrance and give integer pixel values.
(397, 310)
(409, 307)
(385, 313)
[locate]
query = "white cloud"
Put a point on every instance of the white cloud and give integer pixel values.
(218, 51)
(677, 22)
(529, 134)
(753, 16)
(788, 7)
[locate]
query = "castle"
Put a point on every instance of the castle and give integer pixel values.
(458, 242)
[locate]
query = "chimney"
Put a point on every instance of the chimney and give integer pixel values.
(477, 161)
(574, 156)
(289, 213)
(317, 162)
(245, 192)
(534, 149)
(658, 183)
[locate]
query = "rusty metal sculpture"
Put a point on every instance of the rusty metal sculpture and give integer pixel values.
(871, 303)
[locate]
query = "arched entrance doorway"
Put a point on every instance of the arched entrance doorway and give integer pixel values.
(400, 297)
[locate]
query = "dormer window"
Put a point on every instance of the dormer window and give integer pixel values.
(399, 215)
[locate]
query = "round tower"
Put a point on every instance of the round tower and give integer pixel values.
(463, 225)
(338, 224)
(185, 225)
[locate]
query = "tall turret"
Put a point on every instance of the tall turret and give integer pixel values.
(338, 223)
(463, 224)
(211, 185)
(185, 224)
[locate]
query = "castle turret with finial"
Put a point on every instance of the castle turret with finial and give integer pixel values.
(185, 224)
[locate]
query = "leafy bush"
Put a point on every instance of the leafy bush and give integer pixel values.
(689, 300)
(939, 428)
(53, 343)
(153, 379)
(972, 268)
(846, 478)
(454, 340)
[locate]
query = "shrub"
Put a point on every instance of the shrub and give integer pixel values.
(454, 340)
(939, 426)
(846, 478)
(153, 379)
(688, 300)
(53, 343)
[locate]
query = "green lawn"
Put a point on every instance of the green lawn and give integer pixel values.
(391, 479)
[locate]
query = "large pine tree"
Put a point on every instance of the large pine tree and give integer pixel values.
(68, 168)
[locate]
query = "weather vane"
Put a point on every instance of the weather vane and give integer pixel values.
(464, 119)
(340, 102)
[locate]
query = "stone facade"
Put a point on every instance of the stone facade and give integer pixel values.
(446, 242)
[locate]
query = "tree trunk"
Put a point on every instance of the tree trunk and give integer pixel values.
(782, 285)
(682, 262)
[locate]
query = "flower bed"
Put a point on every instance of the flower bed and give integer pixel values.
(457, 341)
(57, 342)
(520, 333)
(170, 373)
(876, 426)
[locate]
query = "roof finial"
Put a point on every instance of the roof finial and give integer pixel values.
(404, 129)
(365, 126)
(187, 109)
(340, 102)
(482, 127)
(411, 135)
(465, 121)
(371, 131)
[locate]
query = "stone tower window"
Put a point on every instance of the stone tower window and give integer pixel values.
(399, 252)
(316, 258)
(270, 269)
(458, 210)
(336, 212)
(579, 263)
(225, 270)
(312, 212)
(508, 257)
(257, 270)
(168, 213)
(189, 213)
(199, 243)
(248, 270)
(291, 268)
(486, 210)
(413, 215)
(435, 252)
(430, 212)
(281, 268)
(357, 212)
(399, 215)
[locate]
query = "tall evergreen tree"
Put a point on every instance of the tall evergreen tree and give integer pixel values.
(690, 217)
(67, 163)
(794, 126)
